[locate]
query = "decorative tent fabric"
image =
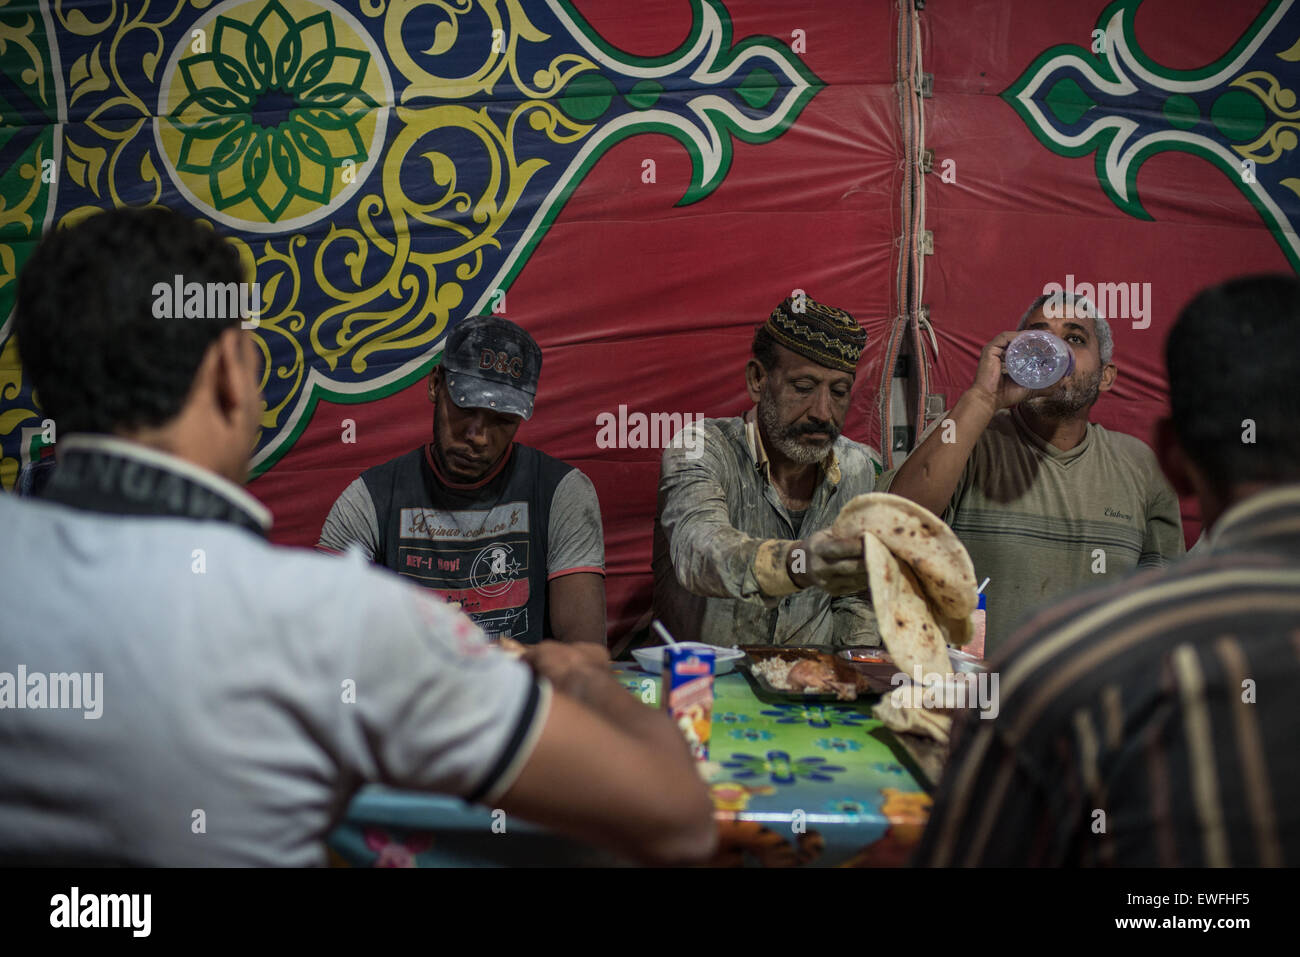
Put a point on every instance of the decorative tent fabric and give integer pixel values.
(638, 185)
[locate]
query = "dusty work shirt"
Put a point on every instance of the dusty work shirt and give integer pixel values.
(721, 528)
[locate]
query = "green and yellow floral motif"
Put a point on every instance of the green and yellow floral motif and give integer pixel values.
(272, 122)
(381, 166)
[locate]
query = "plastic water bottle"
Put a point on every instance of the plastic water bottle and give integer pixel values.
(1036, 359)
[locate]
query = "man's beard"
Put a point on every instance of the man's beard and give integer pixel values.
(785, 438)
(1071, 400)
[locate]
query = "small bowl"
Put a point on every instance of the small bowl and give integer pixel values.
(866, 655)
(652, 659)
(875, 655)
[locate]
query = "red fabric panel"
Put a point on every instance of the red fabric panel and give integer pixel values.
(1019, 216)
(638, 302)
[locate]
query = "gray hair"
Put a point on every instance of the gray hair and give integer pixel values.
(1081, 305)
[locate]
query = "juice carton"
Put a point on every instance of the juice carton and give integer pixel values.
(688, 694)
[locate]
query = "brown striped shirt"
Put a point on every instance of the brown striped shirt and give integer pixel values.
(1153, 723)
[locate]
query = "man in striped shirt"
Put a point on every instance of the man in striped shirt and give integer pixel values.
(1154, 723)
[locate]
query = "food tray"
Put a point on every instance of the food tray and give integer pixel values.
(874, 663)
(767, 692)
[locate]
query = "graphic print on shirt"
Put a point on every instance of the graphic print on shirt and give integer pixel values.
(475, 559)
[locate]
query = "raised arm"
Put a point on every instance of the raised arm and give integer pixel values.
(713, 558)
(930, 474)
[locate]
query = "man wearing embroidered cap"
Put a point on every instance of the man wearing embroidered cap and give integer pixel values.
(743, 552)
(506, 532)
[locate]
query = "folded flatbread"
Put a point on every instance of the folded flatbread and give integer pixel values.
(923, 591)
(927, 722)
(918, 537)
(956, 631)
(907, 627)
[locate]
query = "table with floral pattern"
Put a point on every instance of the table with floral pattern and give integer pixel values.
(794, 783)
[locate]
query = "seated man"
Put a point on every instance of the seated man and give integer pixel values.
(507, 533)
(1153, 723)
(742, 550)
(1044, 500)
(176, 691)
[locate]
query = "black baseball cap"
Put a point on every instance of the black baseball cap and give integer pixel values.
(491, 363)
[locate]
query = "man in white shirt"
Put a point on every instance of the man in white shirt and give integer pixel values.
(174, 690)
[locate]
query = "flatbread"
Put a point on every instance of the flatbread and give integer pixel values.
(907, 627)
(925, 722)
(955, 631)
(919, 538)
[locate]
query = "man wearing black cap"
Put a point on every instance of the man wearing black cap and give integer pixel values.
(167, 656)
(506, 532)
(743, 552)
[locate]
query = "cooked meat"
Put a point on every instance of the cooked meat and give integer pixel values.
(809, 673)
(820, 675)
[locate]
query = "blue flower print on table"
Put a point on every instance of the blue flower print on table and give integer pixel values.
(780, 768)
(838, 744)
(816, 715)
(849, 807)
(750, 734)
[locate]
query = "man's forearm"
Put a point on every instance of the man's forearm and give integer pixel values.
(599, 692)
(588, 632)
(930, 474)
